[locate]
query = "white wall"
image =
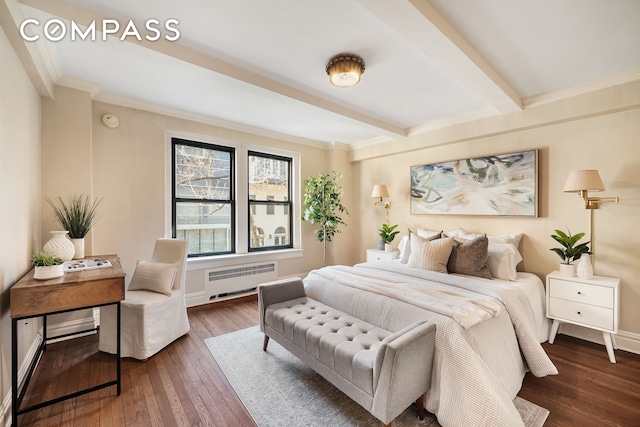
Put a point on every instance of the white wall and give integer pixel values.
(21, 199)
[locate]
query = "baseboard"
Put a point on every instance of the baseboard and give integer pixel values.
(5, 409)
(71, 327)
(627, 341)
(196, 298)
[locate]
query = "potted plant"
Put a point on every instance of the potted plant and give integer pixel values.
(387, 234)
(322, 206)
(77, 216)
(47, 266)
(570, 250)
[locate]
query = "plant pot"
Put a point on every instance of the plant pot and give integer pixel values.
(78, 244)
(48, 272)
(59, 245)
(568, 270)
(388, 247)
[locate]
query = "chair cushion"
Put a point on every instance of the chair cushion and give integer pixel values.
(153, 276)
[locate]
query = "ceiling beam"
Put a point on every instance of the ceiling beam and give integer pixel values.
(10, 19)
(81, 16)
(425, 28)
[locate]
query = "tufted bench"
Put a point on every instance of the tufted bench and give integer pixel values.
(384, 372)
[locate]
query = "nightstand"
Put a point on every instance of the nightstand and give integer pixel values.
(379, 255)
(593, 303)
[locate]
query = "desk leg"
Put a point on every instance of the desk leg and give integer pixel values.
(44, 332)
(14, 372)
(118, 368)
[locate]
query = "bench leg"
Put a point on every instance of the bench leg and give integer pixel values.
(420, 407)
(266, 342)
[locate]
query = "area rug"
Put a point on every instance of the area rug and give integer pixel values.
(279, 390)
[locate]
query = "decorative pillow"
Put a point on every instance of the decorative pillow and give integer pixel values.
(470, 257)
(502, 260)
(153, 276)
(430, 254)
(405, 252)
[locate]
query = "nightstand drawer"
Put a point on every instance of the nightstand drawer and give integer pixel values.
(586, 314)
(378, 255)
(601, 296)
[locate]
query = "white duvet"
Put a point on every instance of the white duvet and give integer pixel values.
(478, 362)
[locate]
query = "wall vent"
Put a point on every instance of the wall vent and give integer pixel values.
(222, 282)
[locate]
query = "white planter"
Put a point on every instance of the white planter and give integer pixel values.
(568, 270)
(388, 247)
(59, 246)
(49, 272)
(78, 244)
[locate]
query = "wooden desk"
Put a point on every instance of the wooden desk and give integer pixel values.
(73, 291)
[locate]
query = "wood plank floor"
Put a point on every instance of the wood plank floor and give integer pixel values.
(183, 386)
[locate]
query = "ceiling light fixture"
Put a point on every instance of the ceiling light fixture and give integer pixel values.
(344, 70)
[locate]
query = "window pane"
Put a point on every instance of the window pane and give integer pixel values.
(202, 173)
(205, 226)
(269, 230)
(268, 177)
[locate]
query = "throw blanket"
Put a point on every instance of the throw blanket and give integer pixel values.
(471, 386)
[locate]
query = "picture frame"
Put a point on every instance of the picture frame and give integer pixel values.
(493, 185)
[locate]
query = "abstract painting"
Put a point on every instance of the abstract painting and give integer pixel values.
(502, 185)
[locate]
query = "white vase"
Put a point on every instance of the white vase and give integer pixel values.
(78, 244)
(59, 246)
(568, 270)
(48, 272)
(388, 247)
(584, 268)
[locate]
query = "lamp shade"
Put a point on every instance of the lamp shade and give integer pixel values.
(380, 191)
(583, 180)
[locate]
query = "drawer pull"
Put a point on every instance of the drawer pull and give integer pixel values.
(579, 313)
(579, 293)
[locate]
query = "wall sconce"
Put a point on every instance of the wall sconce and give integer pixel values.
(380, 192)
(582, 182)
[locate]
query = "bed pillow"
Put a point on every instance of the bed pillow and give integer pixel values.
(470, 257)
(405, 252)
(513, 239)
(502, 260)
(153, 276)
(430, 254)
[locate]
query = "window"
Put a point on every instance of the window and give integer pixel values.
(227, 199)
(270, 184)
(203, 197)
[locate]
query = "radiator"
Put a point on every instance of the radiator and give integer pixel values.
(223, 281)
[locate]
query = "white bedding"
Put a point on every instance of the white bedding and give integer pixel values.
(477, 371)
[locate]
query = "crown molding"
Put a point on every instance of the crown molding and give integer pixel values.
(560, 94)
(79, 84)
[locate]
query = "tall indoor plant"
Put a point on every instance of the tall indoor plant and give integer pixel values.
(77, 216)
(323, 207)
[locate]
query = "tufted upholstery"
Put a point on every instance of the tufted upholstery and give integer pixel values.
(382, 371)
(345, 344)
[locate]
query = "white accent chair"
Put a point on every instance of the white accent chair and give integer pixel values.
(149, 320)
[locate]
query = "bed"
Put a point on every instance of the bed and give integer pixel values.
(488, 330)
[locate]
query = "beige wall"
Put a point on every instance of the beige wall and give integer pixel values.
(125, 167)
(599, 130)
(20, 189)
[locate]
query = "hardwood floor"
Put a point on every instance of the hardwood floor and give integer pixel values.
(183, 386)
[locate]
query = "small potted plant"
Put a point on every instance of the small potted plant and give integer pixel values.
(570, 250)
(387, 233)
(47, 266)
(77, 216)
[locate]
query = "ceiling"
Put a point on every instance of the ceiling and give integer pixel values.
(260, 65)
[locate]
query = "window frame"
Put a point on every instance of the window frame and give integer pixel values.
(270, 203)
(232, 201)
(241, 253)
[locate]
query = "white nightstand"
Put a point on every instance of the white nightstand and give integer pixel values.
(592, 303)
(378, 255)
